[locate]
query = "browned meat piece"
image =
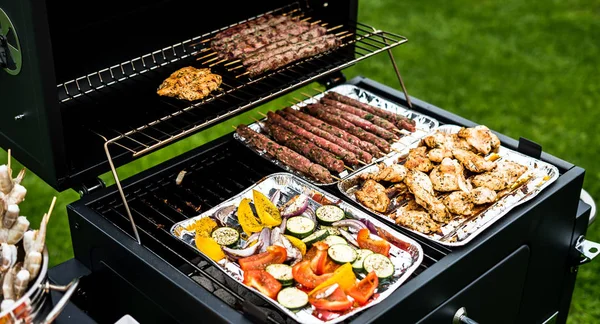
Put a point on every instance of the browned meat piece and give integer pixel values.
(481, 138)
(257, 57)
(417, 160)
(247, 28)
(448, 176)
(417, 220)
(483, 195)
(438, 154)
(459, 203)
(362, 114)
(373, 195)
(189, 83)
(436, 140)
(393, 173)
(396, 190)
(420, 185)
(505, 174)
(472, 161)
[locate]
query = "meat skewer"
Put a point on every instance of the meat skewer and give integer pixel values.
(337, 132)
(400, 121)
(250, 27)
(276, 61)
(344, 154)
(292, 46)
(305, 147)
(362, 123)
(362, 155)
(362, 114)
(313, 32)
(285, 155)
(318, 111)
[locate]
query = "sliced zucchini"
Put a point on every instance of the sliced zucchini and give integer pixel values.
(334, 239)
(226, 236)
(329, 214)
(360, 258)
(299, 226)
(292, 298)
(382, 265)
(281, 272)
(342, 253)
(315, 237)
(331, 230)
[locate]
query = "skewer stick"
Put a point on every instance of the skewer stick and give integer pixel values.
(219, 62)
(306, 95)
(361, 162)
(349, 168)
(202, 51)
(9, 158)
(345, 36)
(235, 68)
(341, 33)
(324, 25)
(305, 19)
(336, 178)
(315, 22)
(51, 207)
(317, 90)
(296, 99)
(233, 127)
(202, 41)
(291, 12)
(232, 62)
(205, 56)
(334, 28)
(212, 59)
(241, 75)
(262, 114)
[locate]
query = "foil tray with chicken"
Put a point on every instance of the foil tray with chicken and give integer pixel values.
(448, 179)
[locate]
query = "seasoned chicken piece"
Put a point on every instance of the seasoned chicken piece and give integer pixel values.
(505, 173)
(189, 83)
(448, 176)
(438, 154)
(373, 195)
(483, 195)
(394, 173)
(417, 160)
(443, 144)
(436, 140)
(459, 203)
(481, 138)
(396, 190)
(417, 220)
(420, 185)
(472, 161)
(180, 77)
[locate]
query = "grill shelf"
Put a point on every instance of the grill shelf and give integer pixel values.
(158, 202)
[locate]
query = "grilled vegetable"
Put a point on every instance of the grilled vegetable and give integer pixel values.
(274, 254)
(247, 219)
(348, 237)
(315, 237)
(342, 253)
(334, 239)
(331, 298)
(343, 276)
(281, 272)
(297, 243)
(226, 236)
(304, 275)
(203, 227)
(300, 227)
(353, 223)
(235, 254)
(319, 260)
(361, 254)
(331, 230)
(292, 298)
(263, 282)
(377, 246)
(209, 247)
(363, 290)
(266, 210)
(383, 267)
(295, 206)
(329, 214)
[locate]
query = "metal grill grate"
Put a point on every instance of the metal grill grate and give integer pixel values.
(212, 177)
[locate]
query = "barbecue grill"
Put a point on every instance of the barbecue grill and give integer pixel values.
(79, 99)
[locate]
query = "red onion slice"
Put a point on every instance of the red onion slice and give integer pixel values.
(295, 206)
(352, 223)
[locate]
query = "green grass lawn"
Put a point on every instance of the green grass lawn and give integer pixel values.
(523, 68)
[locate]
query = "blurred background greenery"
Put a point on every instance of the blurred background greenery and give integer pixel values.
(523, 68)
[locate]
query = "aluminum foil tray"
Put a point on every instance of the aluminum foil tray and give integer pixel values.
(462, 230)
(424, 125)
(406, 254)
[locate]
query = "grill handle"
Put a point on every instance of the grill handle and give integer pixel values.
(461, 317)
(69, 290)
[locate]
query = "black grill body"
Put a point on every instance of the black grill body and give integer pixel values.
(521, 270)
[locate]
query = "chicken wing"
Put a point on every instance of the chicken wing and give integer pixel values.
(472, 161)
(420, 185)
(417, 160)
(459, 203)
(394, 173)
(483, 195)
(448, 176)
(373, 195)
(505, 173)
(481, 138)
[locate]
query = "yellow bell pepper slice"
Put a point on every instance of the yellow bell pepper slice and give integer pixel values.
(209, 247)
(343, 276)
(246, 218)
(203, 226)
(267, 212)
(297, 243)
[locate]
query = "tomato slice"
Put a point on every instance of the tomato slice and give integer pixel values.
(377, 246)
(336, 301)
(263, 282)
(319, 261)
(304, 275)
(363, 290)
(274, 254)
